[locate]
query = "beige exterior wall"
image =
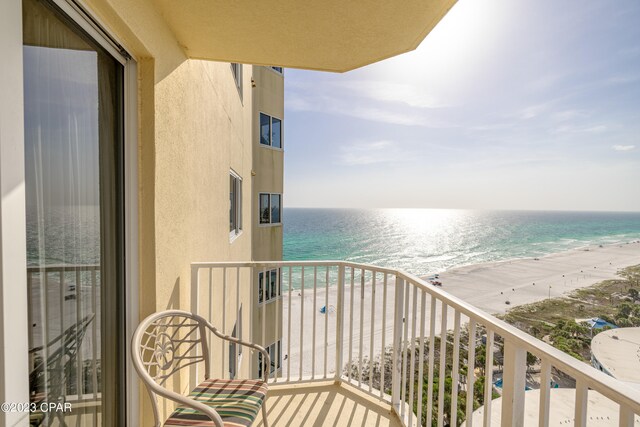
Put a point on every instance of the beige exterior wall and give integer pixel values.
(202, 132)
(268, 165)
(194, 128)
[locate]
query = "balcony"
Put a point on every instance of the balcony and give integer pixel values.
(364, 344)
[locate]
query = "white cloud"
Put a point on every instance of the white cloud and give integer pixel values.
(409, 94)
(327, 104)
(533, 111)
(493, 127)
(622, 79)
(595, 129)
(567, 115)
(623, 147)
(580, 129)
(547, 81)
(368, 153)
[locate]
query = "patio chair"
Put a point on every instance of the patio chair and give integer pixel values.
(167, 342)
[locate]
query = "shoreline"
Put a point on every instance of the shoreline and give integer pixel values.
(487, 286)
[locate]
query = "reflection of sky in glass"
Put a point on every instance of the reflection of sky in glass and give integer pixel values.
(276, 133)
(61, 126)
(61, 154)
(275, 208)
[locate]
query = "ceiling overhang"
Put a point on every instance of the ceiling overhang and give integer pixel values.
(328, 35)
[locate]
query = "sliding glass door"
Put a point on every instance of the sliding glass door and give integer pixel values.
(73, 96)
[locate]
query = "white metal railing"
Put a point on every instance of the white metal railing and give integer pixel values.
(377, 317)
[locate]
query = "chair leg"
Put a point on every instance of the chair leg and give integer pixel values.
(265, 423)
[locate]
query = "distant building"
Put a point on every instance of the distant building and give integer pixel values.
(616, 352)
(602, 411)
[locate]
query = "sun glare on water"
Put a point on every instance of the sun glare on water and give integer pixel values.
(424, 221)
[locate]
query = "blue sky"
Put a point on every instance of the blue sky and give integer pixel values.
(505, 105)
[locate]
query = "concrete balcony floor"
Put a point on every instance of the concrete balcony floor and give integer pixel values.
(325, 404)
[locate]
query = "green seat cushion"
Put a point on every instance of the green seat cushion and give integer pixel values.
(236, 401)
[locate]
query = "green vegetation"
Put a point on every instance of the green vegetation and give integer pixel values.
(553, 320)
(374, 372)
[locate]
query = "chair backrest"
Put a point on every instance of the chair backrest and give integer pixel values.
(167, 342)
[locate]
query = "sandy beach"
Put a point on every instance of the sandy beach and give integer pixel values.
(523, 281)
(487, 286)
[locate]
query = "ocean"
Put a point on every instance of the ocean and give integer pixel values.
(427, 241)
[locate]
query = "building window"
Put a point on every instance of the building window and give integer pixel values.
(275, 355)
(235, 205)
(277, 69)
(235, 351)
(270, 131)
(270, 208)
(236, 70)
(273, 288)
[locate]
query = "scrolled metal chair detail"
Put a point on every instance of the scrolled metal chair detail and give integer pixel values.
(164, 351)
(167, 342)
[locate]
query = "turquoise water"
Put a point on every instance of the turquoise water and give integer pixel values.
(425, 241)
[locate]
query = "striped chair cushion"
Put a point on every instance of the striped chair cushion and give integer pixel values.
(236, 401)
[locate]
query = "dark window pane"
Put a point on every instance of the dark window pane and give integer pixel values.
(273, 284)
(264, 209)
(260, 287)
(276, 134)
(232, 353)
(275, 208)
(265, 130)
(232, 203)
(238, 202)
(279, 355)
(272, 357)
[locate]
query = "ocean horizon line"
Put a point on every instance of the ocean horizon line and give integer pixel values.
(465, 209)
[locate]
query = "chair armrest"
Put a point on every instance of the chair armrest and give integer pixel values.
(266, 359)
(185, 401)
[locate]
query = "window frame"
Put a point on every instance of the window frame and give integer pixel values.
(270, 223)
(13, 239)
(270, 145)
(280, 73)
(270, 286)
(237, 231)
(13, 260)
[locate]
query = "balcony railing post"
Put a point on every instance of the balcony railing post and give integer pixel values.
(398, 319)
(339, 323)
(514, 382)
